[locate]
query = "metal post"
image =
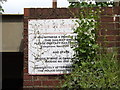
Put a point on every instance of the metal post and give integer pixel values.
(54, 4)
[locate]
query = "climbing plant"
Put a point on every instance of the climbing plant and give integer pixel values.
(1, 2)
(88, 3)
(91, 68)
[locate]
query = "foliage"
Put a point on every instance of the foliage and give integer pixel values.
(97, 3)
(1, 9)
(91, 68)
(102, 73)
(86, 46)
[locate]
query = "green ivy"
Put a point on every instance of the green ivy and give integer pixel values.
(86, 46)
(1, 9)
(77, 4)
(92, 68)
(103, 73)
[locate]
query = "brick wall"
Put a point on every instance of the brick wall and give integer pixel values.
(110, 33)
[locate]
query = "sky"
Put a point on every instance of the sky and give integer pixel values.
(17, 6)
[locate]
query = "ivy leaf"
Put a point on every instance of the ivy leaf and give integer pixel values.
(95, 46)
(83, 51)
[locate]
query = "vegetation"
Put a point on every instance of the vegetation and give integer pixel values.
(95, 3)
(103, 73)
(93, 67)
(1, 2)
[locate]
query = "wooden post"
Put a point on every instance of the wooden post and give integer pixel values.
(54, 4)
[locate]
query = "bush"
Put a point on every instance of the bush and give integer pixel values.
(91, 68)
(102, 73)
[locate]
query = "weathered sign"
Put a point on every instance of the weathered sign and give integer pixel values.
(49, 46)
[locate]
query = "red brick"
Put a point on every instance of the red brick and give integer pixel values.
(102, 32)
(107, 26)
(52, 77)
(40, 78)
(25, 46)
(119, 50)
(110, 38)
(27, 88)
(111, 44)
(25, 32)
(107, 19)
(27, 77)
(75, 10)
(118, 38)
(118, 44)
(28, 83)
(51, 83)
(109, 11)
(25, 26)
(112, 32)
(26, 63)
(107, 44)
(37, 83)
(26, 38)
(32, 13)
(26, 70)
(35, 78)
(25, 20)
(25, 54)
(117, 19)
(26, 12)
(46, 88)
(119, 25)
(101, 38)
(61, 77)
(116, 10)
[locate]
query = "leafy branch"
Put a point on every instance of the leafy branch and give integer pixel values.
(92, 67)
(1, 2)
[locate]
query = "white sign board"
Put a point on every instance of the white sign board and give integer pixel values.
(49, 47)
